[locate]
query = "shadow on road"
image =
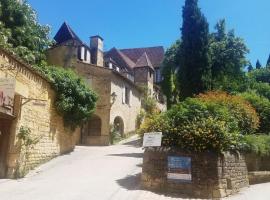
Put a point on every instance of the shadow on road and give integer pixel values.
(132, 155)
(134, 143)
(130, 182)
(133, 182)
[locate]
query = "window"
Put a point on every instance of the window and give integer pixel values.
(127, 95)
(82, 53)
(158, 76)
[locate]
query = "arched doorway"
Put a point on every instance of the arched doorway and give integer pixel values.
(119, 125)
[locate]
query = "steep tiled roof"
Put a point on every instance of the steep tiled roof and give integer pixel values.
(155, 54)
(65, 33)
(121, 59)
(144, 61)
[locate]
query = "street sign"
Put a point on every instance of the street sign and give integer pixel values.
(152, 139)
(179, 169)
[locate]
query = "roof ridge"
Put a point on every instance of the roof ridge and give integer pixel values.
(142, 48)
(125, 58)
(144, 61)
(65, 33)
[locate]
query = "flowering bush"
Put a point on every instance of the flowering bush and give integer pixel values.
(205, 124)
(242, 110)
(262, 107)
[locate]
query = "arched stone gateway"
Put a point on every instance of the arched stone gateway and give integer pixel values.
(119, 125)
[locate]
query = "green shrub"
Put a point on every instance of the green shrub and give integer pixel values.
(258, 144)
(260, 75)
(74, 100)
(262, 106)
(262, 89)
(197, 126)
(207, 123)
(245, 114)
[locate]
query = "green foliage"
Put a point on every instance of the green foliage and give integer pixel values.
(170, 64)
(149, 104)
(140, 118)
(262, 107)
(205, 123)
(21, 33)
(241, 110)
(26, 138)
(228, 59)
(74, 100)
(27, 143)
(258, 144)
(262, 89)
(197, 126)
(115, 136)
(195, 69)
(260, 75)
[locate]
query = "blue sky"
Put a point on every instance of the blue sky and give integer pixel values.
(141, 23)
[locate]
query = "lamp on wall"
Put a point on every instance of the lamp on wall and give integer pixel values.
(113, 98)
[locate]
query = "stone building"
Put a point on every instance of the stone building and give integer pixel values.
(114, 75)
(27, 101)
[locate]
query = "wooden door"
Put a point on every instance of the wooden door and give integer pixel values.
(4, 141)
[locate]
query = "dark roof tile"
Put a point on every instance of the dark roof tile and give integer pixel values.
(144, 61)
(155, 54)
(65, 33)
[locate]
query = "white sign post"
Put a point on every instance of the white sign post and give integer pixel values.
(152, 139)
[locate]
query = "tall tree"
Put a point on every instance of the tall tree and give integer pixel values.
(170, 64)
(21, 32)
(250, 68)
(195, 70)
(228, 57)
(258, 65)
(268, 62)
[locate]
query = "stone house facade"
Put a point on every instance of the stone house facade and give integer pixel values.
(113, 76)
(27, 100)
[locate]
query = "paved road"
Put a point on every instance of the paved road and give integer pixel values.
(95, 173)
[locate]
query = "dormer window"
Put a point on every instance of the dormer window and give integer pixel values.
(84, 54)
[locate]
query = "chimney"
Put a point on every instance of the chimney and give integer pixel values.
(96, 45)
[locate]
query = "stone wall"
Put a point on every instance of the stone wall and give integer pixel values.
(98, 79)
(257, 162)
(34, 108)
(213, 176)
(128, 112)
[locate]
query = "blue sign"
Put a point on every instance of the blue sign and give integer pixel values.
(179, 169)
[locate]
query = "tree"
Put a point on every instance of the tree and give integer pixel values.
(228, 57)
(21, 32)
(268, 62)
(258, 65)
(170, 65)
(195, 70)
(250, 68)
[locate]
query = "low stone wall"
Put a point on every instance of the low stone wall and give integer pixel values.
(259, 177)
(212, 175)
(256, 162)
